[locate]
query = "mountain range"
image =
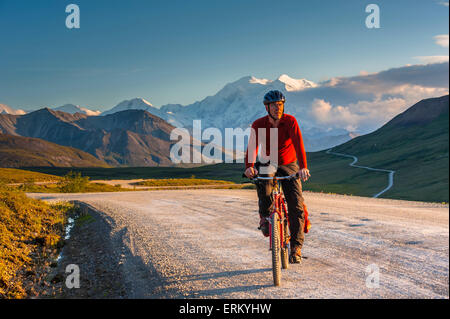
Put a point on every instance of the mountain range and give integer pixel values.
(134, 137)
(236, 105)
(239, 103)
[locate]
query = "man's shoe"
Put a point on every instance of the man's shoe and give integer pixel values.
(295, 256)
(264, 226)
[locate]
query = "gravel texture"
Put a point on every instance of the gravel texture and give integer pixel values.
(205, 244)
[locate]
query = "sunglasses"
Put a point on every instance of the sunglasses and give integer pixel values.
(277, 104)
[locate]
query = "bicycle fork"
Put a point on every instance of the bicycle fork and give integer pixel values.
(280, 204)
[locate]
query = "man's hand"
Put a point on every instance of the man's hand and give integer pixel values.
(251, 172)
(304, 174)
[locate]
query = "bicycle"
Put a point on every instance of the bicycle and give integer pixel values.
(279, 235)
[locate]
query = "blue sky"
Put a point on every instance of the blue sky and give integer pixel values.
(182, 51)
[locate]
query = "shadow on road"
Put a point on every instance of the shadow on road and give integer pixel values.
(226, 290)
(227, 274)
(222, 291)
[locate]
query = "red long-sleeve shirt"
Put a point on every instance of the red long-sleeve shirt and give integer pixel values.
(290, 141)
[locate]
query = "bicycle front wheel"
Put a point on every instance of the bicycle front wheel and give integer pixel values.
(276, 253)
(284, 249)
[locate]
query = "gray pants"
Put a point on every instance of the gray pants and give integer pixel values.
(292, 190)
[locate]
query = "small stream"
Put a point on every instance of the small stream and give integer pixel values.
(69, 226)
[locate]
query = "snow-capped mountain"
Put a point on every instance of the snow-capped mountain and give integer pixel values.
(142, 104)
(72, 109)
(239, 103)
(133, 104)
(291, 84)
(5, 109)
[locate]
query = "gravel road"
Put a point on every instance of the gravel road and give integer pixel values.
(205, 244)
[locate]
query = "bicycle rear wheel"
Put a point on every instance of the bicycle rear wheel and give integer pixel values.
(276, 262)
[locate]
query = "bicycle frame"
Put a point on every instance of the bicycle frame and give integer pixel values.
(279, 207)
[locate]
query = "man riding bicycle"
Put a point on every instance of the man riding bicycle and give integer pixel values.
(291, 159)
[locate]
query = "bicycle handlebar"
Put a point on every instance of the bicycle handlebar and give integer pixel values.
(296, 175)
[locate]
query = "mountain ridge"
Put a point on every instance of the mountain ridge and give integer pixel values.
(132, 137)
(125, 138)
(72, 109)
(18, 151)
(5, 109)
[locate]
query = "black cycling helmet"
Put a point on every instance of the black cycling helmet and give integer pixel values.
(274, 96)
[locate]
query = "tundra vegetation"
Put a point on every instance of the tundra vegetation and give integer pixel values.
(31, 235)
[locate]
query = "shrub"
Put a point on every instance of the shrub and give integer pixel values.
(73, 182)
(28, 185)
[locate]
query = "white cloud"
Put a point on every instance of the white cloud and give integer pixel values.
(361, 116)
(444, 3)
(366, 102)
(430, 75)
(432, 59)
(332, 82)
(336, 117)
(442, 40)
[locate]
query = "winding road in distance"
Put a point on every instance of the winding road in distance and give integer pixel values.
(355, 159)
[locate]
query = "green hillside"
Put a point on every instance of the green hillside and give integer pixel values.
(332, 174)
(415, 145)
(13, 175)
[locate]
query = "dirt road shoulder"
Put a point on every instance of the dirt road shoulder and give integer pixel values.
(91, 249)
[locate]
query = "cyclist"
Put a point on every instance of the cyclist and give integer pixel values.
(291, 159)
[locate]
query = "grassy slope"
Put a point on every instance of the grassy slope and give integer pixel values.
(13, 175)
(30, 231)
(18, 151)
(332, 174)
(418, 153)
